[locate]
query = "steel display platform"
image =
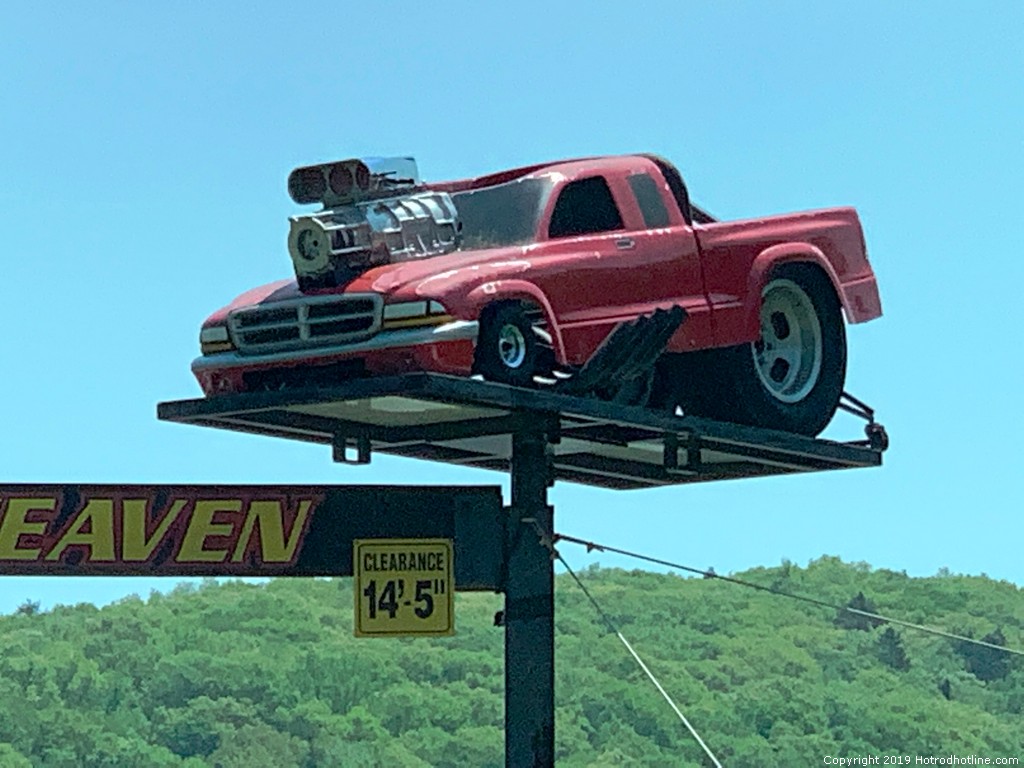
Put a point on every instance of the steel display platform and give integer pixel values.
(470, 422)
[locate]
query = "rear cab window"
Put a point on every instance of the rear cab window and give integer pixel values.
(649, 200)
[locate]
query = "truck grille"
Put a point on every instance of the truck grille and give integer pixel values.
(319, 321)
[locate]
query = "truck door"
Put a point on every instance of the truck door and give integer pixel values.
(615, 258)
(667, 246)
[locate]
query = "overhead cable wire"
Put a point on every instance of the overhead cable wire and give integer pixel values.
(710, 574)
(547, 541)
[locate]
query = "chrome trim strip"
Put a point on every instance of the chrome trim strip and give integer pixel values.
(411, 337)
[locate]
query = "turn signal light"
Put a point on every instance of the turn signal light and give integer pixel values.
(408, 314)
(213, 339)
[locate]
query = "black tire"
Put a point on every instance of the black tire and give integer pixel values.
(513, 346)
(790, 379)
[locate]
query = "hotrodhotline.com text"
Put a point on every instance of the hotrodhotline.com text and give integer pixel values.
(919, 760)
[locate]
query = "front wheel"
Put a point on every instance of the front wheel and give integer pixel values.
(513, 345)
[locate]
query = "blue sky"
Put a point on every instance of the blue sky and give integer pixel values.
(145, 149)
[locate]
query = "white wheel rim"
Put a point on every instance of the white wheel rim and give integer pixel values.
(788, 354)
(511, 346)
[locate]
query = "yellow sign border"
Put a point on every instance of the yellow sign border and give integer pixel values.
(447, 600)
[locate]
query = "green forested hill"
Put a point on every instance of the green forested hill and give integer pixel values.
(239, 675)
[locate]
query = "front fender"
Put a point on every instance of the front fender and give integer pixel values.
(494, 291)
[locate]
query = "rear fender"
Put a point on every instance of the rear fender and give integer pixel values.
(516, 290)
(760, 272)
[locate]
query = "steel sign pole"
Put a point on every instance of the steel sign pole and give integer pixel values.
(529, 610)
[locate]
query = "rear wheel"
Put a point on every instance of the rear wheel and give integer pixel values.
(513, 345)
(789, 379)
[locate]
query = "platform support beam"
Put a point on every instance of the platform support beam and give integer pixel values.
(529, 614)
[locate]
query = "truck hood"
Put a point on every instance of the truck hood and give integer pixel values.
(419, 277)
(427, 278)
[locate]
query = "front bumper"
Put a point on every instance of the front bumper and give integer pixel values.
(444, 348)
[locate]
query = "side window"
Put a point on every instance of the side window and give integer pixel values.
(585, 207)
(648, 197)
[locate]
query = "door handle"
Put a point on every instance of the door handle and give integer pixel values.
(625, 243)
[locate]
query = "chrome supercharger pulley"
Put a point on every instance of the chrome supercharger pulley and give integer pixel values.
(375, 212)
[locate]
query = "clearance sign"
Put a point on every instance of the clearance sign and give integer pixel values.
(403, 587)
(236, 530)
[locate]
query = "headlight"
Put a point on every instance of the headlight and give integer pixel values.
(406, 314)
(214, 338)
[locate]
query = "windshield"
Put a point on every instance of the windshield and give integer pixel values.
(505, 214)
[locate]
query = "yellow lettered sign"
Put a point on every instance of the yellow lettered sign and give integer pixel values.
(403, 587)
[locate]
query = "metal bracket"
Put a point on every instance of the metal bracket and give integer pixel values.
(671, 448)
(877, 437)
(351, 449)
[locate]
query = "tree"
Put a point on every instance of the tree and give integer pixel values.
(12, 758)
(220, 676)
(254, 745)
(28, 608)
(983, 662)
(851, 618)
(890, 650)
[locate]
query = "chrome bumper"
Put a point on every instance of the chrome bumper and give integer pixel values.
(459, 330)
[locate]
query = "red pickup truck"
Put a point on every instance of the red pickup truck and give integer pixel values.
(520, 276)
